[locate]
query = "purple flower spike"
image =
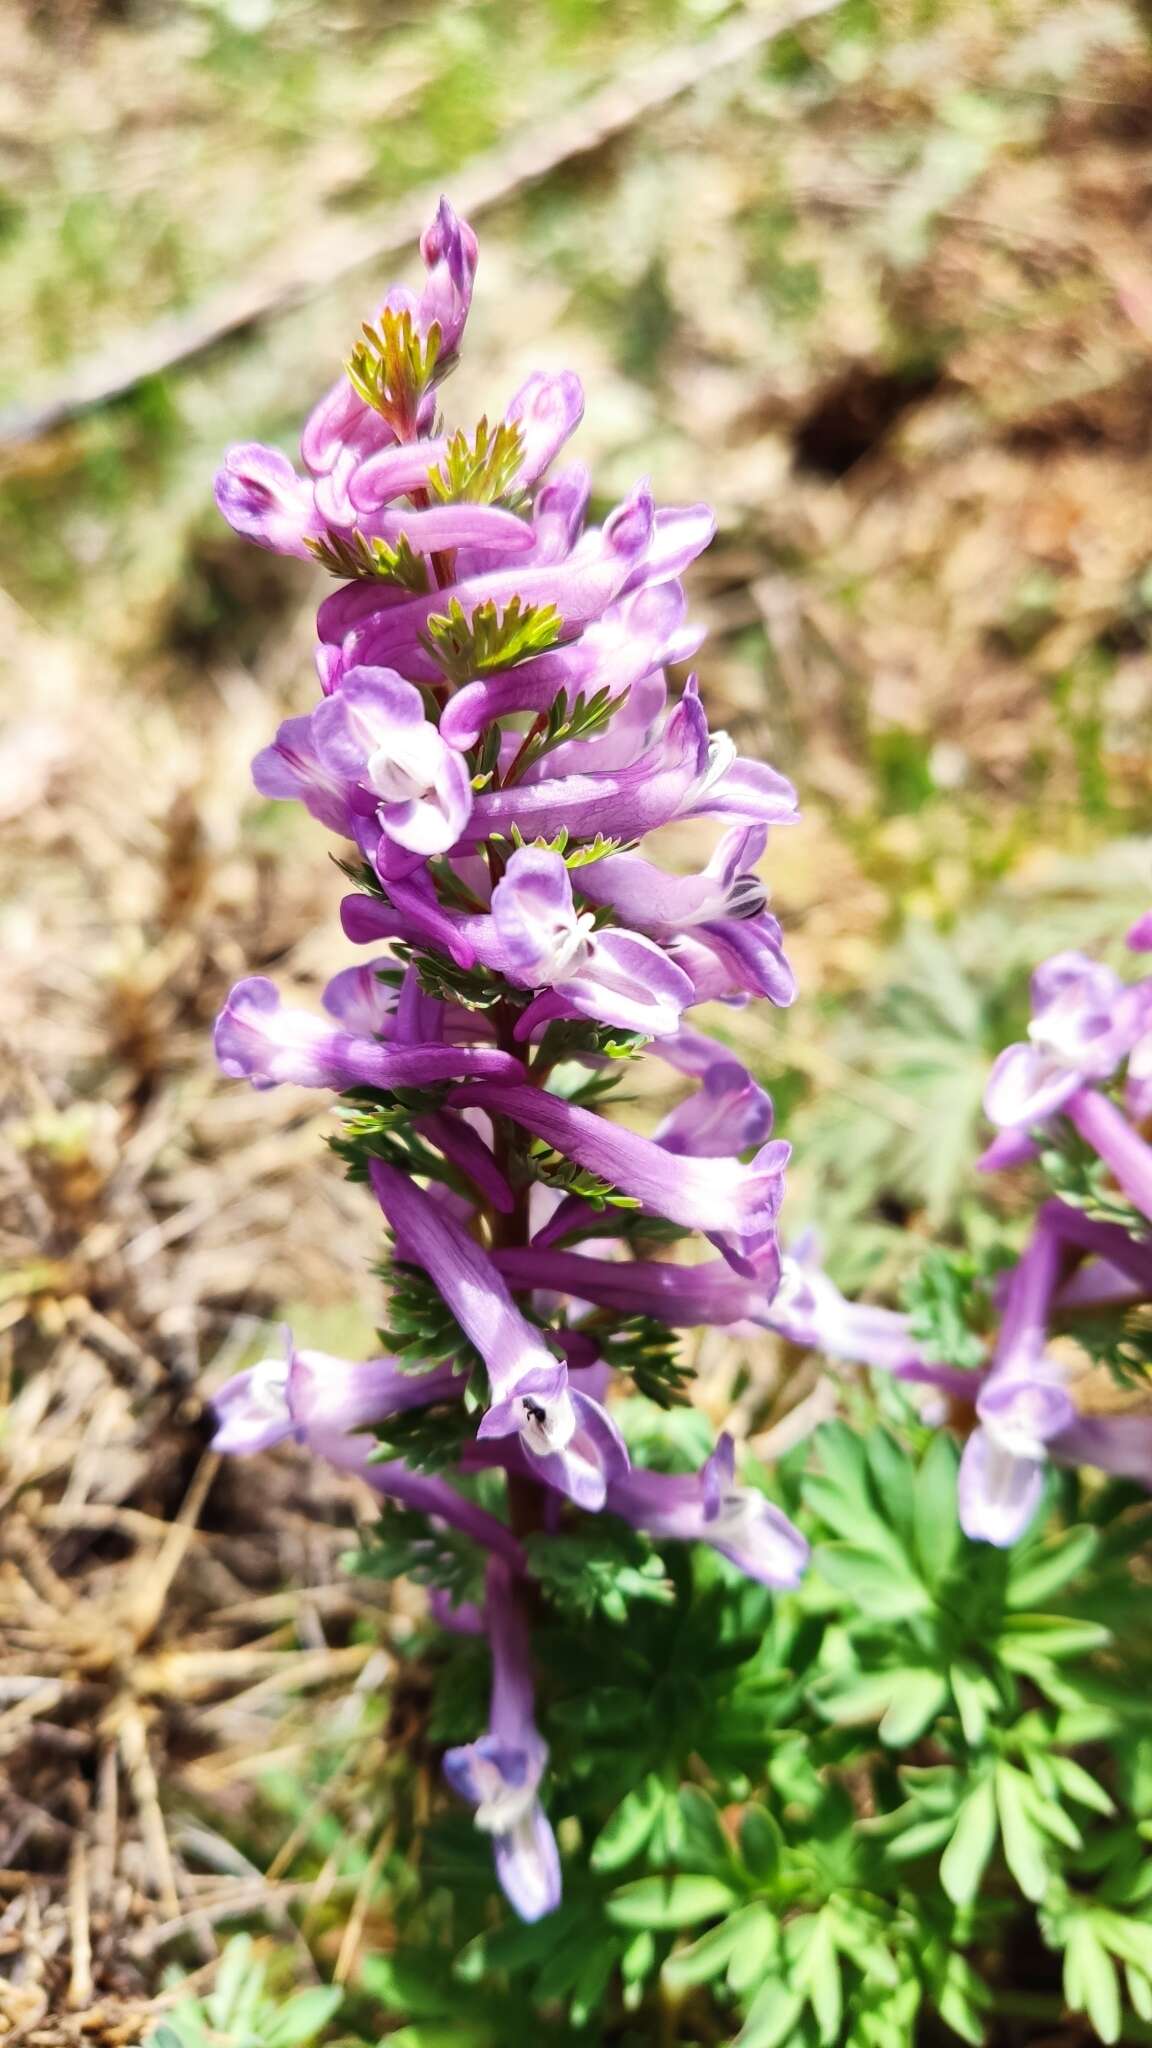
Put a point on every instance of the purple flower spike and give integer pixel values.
(616, 977)
(1139, 937)
(736, 1206)
(259, 1041)
(373, 733)
(500, 1773)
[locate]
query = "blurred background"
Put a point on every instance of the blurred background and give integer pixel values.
(874, 279)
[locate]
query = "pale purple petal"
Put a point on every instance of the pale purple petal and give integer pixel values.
(547, 409)
(997, 1493)
(528, 1865)
(728, 1112)
(1111, 1136)
(261, 497)
(466, 1278)
(1025, 1086)
(251, 1410)
(291, 767)
(258, 1040)
(362, 1002)
(735, 1205)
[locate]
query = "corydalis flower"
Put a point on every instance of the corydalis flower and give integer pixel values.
(734, 1205)
(259, 1040)
(1084, 1023)
(616, 977)
(572, 1442)
(708, 1507)
(329, 1406)
(500, 1773)
(374, 735)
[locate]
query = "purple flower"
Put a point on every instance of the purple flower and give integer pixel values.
(1123, 1150)
(633, 638)
(620, 803)
(318, 1400)
(724, 910)
(576, 1446)
(734, 1205)
(449, 250)
(374, 631)
(615, 976)
(682, 1296)
(547, 409)
(362, 1002)
(328, 1405)
(259, 1041)
(1021, 1407)
(570, 1439)
(1139, 937)
(500, 1773)
(373, 733)
(292, 768)
(809, 1310)
(707, 1507)
(1083, 1023)
(728, 1112)
(261, 497)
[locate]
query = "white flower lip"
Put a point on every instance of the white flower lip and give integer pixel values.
(547, 1425)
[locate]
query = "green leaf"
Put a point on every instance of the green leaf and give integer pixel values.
(237, 1984)
(1080, 1785)
(304, 2016)
(938, 1536)
(1037, 1639)
(961, 1998)
(706, 1958)
(1024, 1842)
(466, 647)
(625, 1834)
(758, 1951)
(816, 1971)
(973, 1839)
(1139, 1991)
(772, 2017)
(893, 1477)
(699, 1837)
(1091, 1984)
(883, 1586)
(975, 1696)
(480, 471)
(1040, 1573)
(669, 1902)
(356, 557)
(918, 1698)
(761, 1843)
